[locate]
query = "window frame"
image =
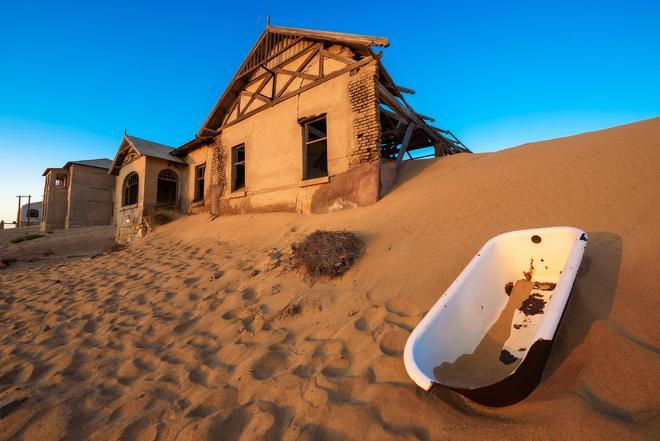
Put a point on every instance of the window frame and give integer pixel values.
(197, 197)
(61, 180)
(167, 175)
(305, 124)
(235, 163)
(125, 195)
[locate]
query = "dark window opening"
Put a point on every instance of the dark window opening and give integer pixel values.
(130, 190)
(238, 168)
(60, 180)
(199, 182)
(166, 188)
(33, 213)
(315, 149)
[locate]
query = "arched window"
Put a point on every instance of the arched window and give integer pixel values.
(33, 213)
(166, 189)
(130, 190)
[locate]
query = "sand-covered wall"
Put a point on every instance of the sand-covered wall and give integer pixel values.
(129, 217)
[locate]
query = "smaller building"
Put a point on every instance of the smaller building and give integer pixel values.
(30, 214)
(79, 194)
(150, 180)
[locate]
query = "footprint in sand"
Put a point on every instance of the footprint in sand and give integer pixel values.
(185, 326)
(248, 294)
(402, 307)
(393, 342)
(268, 364)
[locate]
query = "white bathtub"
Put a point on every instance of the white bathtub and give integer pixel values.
(464, 314)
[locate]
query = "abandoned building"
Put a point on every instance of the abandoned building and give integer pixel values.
(79, 194)
(310, 122)
(151, 179)
(30, 214)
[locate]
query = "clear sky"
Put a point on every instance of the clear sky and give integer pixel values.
(74, 75)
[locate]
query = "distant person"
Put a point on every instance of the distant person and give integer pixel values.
(2, 225)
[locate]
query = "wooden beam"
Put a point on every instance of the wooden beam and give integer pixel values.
(328, 77)
(253, 95)
(297, 74)
(389, 100)
(404, 146)
(300, 68)
(256, 94)
(405, 89)
(338, 37)
(428, 118)
(338, 57)
(281, 63)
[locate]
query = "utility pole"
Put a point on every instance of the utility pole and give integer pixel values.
(18, 213)
(19, 217)
(28, 210)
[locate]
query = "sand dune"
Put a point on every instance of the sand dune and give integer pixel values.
(194, 333)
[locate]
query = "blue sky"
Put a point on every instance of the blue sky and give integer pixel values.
(74, 75)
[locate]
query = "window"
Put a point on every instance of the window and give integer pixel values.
(33, 213)
(60, 180)
(238, 167)
(199, 182)
(166, 188)
(315, 149)
(130, 190)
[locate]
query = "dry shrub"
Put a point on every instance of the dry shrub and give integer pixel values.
(327, 253)
(25, 237)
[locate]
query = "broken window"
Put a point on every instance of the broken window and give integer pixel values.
(130, 190)
(199, 182)
(33, 213)
(238, 168)
(60, 180)
(315, 149)
(166, 188)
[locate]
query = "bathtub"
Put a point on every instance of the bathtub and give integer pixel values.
(489, 335)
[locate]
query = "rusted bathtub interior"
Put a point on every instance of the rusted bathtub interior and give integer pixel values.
(489, 335)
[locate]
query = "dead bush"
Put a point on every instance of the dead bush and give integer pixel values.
(327, 253)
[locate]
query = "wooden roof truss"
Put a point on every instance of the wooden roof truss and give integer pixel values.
(287, 61)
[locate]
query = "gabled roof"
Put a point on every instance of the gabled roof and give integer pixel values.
(151, 149)
(143, 147)
(272, 42)
(50, 169)
(335, 37)
(103, 163)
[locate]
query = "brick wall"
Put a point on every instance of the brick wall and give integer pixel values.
(366, 122)
(218, 163)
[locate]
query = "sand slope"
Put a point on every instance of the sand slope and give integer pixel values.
(178, 337)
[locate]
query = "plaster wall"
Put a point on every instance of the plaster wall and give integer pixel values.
(129, 217)
(273, 141)
(55, 200)
(195, 158)
(90, 196)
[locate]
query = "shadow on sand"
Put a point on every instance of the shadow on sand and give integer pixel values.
(591, 298)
